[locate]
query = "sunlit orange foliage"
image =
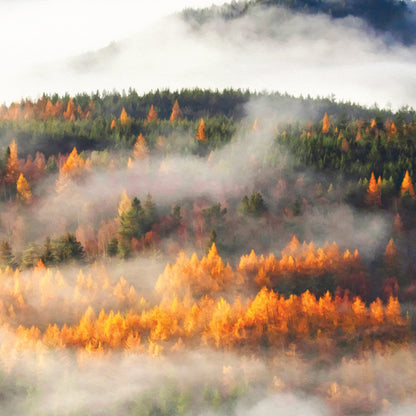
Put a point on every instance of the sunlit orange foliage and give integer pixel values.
(74, 168)
(124, 118)
(200, 134)
(176, 112)
(113, 125)
(326, 124)
(407, 187)
(373, 196)
(373, 123)
(69, 113)
(199, 307)
(197, 277)
(152, 115)
(304, 259)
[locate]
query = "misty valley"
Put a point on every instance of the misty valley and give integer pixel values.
(205, 252)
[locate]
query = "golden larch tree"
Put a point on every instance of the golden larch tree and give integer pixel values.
(140, 150)
(24, 192)
(200, 134)
(373, 196)
(124, 117)
(113, 125)
(344, 145)
(124, 204)
(152, 115)
(407, 187)
(176, 112)
(393, 128)
(326, 124)
(69, 114)
(373, 123)
(73, 169)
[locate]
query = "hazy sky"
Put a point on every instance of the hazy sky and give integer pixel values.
(60, 46)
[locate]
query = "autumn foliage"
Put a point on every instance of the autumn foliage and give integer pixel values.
(152, 115)
(176, 112)
(198, 306)
(200, 134)
(407, 186)
(326, 124)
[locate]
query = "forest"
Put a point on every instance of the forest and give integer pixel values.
(274, 234)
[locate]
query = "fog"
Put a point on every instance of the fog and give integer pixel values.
(81, 47)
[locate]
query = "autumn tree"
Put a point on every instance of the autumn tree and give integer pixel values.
(69, 114)
(200, 134)
(113, 125)
(24, 192)
(373, 197)
(152, 115)
(140, 150)
(407, 187)
(124, 204)
(326, 124)
(124, 117)
(176, 112)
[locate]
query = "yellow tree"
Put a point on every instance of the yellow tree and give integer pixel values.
(176, 112)
(200, 134)
(124, 117)
(73, 168)
(23, 189)
(326, 124)
(13, 167)
(152, 116)
(373, 196)
(140, 150)
(113, 125)
(407, 187)
(124, 204)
